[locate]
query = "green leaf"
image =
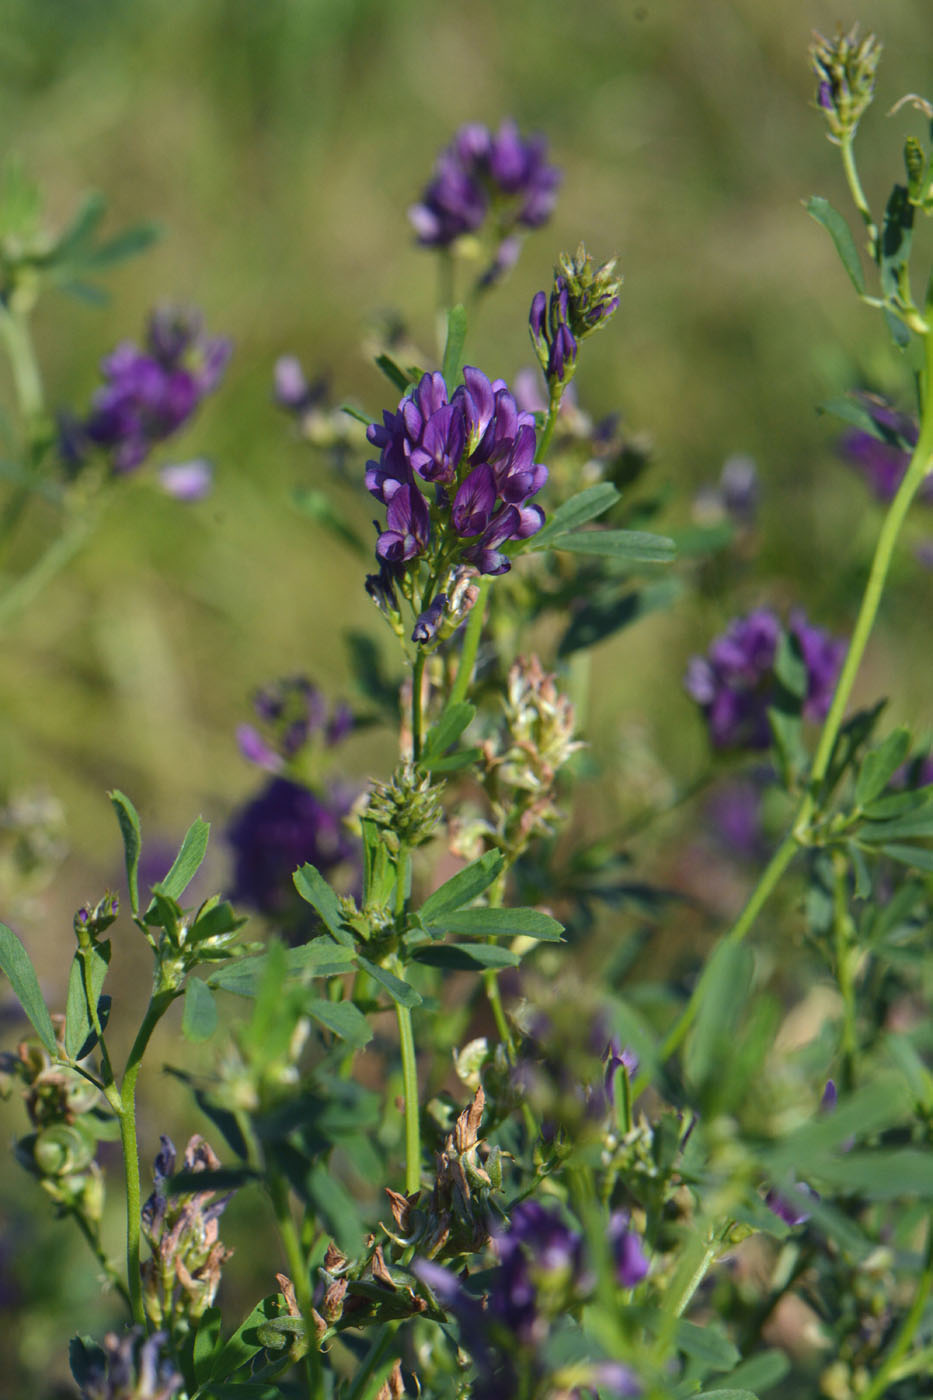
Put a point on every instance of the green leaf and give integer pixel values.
(467, 957)
(334, 1206)
(206, 1344)
(343, 1019)
(857, 410)
(379, 871)
(82, 228)
(243, 1345)
(790, 667)
(394, 373)
(579, 510)
(760, 1372)
(447, 729)
(632, 546)
(879, 766)
(882, 1175)
(915, 856)
(199, 1021)
(453, 350)
(216, 920)
(353, 412)
(314, 890)
(498, 923)
(463, 887)
(124, 245)
(187, 863)
(602, 617)
(321, 509)
(896, 236)
(131, 832)
(912, 826)
(726, 981)
(78, 1027)
(398, 990)
(868, 1110)
(898, 804)
(319, 958)
(706, 1344)
(15, 962)
(450, 762)
(839, 231)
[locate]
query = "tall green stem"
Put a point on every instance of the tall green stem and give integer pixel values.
(298, 1271)
(14, 332)
(410, 1090)
(553, 408)
(857, 193)
(920, 464)
(157, 1007)
(417, 716)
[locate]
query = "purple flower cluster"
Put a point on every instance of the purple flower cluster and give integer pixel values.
(283, 827)
(735, 682)
(127, 1366)
(481, 172)
(293, 713)
(151, 392)
(476, 449)
(883, 461)
(541, 1271)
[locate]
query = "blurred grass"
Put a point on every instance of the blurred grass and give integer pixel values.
(279, 144)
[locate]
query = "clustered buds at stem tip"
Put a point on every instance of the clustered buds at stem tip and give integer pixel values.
(582, 300)
(845, 70)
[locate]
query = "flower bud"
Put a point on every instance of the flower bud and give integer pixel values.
(845, 71)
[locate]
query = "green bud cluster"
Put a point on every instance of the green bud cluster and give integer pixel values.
(592, 291)
(407, 809)
(845, 67)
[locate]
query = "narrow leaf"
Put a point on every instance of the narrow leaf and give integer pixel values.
(131, 832)
(78, 1026)
(453, 350)
(319, 506)
(314, 890)
(896, 236)
(398, 990)
(839, 231)
(450, 762)
(199, 1020)
(499, 923)
(879, 766)
(343, 1018)
(602, 617)
(916, 856)
(15, 962)
(82, 227)
(632, 546)
(463, 887)
(125, 245)
(394, 373)
(244, 1344)
(319, 958)
(579, 510)
(187, 863)
(466, 956)
(447, 730)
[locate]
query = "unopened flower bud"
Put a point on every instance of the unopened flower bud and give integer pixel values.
(845, 70)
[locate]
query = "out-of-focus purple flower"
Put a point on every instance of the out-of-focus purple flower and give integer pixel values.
(734, 817)
(130, 1367)
(278, 831)
(615, 1057)
(792, 1208)
(628, 1251)
(149, 393)
(293, 713)
(187, 481)
(291, 389)
(738, 486)
(484, 173)
(883, 460)
(616, 1377)
(735, 682)
(830, 1097)
(476, 449)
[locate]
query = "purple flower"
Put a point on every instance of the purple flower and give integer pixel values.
(293, 713)
(582, 299)
(481, 173)
(476, 449)
(278, 831)
(883, 460)
(616, 1057)
(187, 481)
(792, 1208)
(734, 814)
(150, 393)
(735, 682)
(131, 1365)
(628, 1252)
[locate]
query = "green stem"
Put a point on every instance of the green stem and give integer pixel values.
(756, 902)
(879, 1383)
(553, 408)
(417, 718)
(298, 1272)
(59, 553)
(156, 1010)
(14, 332)
(844, 951)
(373, 1358)
(471, 639)
(858, 194)
(919, 465)
(410, 1089)
(93, 1239)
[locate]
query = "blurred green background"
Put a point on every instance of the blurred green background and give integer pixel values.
(279, 143)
